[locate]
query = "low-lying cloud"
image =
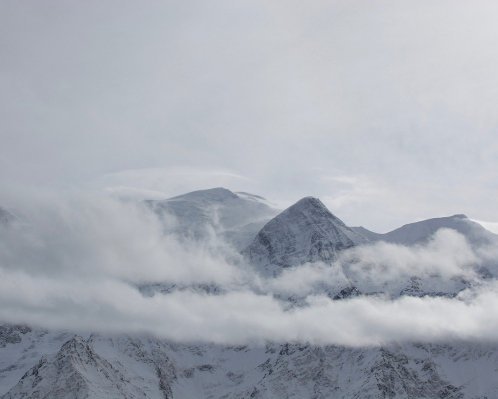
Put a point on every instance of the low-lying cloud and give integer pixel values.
(97, 237)
(75, 262)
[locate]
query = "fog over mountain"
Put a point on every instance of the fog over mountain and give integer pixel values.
(124, 297)
(248, 199)
(100, 263)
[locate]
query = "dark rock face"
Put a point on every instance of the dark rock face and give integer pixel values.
(12, 334)
(348, 292)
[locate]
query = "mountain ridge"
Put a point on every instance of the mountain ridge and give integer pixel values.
(420, 231)
(40, 364)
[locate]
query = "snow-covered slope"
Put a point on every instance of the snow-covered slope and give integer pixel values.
(78, 372)
(236, 217)
(420, 232)
(305, 232)
(140, 367)
(22, 347)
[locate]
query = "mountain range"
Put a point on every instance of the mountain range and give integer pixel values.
(38, 363)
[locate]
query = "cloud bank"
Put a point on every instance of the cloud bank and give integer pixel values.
(75, 262)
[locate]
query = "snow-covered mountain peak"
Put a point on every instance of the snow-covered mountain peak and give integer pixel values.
(419, 232)
(308, 203)
(422, 231)
(58, 365)
(75, 371)
(217, 194)
(305, 232)
(236, 217)
(313, 209)
(458, 216)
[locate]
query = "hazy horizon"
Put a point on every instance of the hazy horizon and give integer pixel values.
(385, 111)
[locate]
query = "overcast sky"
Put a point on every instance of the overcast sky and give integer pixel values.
(386, 110)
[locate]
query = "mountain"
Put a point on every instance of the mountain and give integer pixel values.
(98, 367)
(78, 372)
(367, 234)
(305, 232)
(235, 217)
(37, 363)
(420, 232)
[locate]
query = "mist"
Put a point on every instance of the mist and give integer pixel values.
(76, 261)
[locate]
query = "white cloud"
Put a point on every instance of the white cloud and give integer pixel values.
(243, 316)
(447, 254)
(75, 261)
(99, 237)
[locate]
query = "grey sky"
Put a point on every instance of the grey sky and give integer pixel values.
(386, 110)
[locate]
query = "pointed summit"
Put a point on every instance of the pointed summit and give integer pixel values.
(305, 232)
(309, 202)
(313, 209)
